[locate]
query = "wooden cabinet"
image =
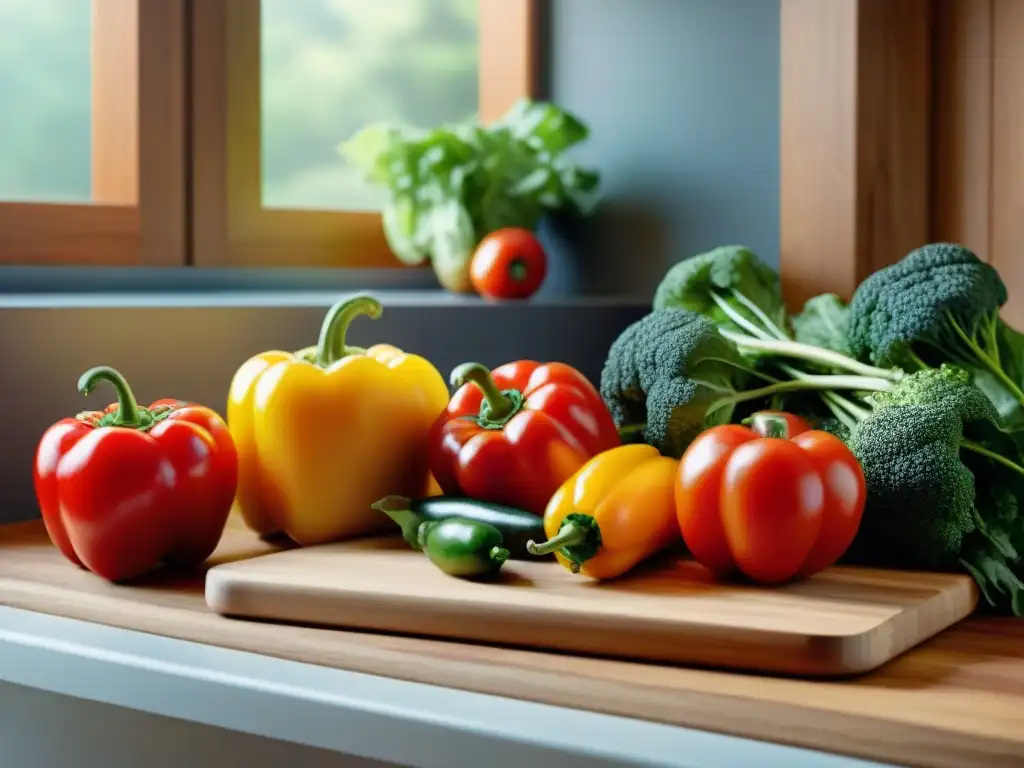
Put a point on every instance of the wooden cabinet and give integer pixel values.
(902, 123)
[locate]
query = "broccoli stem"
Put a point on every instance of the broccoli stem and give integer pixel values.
(983, 357)
(807, 382)
(981, 450)
(759, 313)
(810, 353)
(738, 319)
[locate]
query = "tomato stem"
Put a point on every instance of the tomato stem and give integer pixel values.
(769, 425)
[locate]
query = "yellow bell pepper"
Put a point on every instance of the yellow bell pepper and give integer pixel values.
(325, 432)
(616, 511)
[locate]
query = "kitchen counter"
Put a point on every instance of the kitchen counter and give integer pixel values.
(955, 701)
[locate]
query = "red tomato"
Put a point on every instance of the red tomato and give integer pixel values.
(508, 264)
(755, 500)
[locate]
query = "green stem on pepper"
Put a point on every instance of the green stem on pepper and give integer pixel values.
(129, 413)
(399, 509)
(578, 539)
(331, 346)
(498, 406)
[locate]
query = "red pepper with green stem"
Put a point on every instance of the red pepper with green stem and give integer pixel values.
(125, 489)
(514, 435)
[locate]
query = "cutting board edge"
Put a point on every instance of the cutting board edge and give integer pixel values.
(232, 594)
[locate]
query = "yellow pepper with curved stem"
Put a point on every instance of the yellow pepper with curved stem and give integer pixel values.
(324, 432)
(615, 512)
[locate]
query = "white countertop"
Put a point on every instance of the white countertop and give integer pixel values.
(399, 722)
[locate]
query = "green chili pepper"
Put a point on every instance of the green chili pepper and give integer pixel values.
(462, 547)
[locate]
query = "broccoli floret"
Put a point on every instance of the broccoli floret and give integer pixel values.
(938, 304)
(920, 503)
(666, 371)
(922, 448)
(723, 283)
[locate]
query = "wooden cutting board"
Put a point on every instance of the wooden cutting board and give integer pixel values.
(840, 622)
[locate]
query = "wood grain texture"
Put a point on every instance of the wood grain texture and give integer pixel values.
(955, 702)
(509, 59)
(962, 123)
(1007, 200)
(841, 622)
(854, 158)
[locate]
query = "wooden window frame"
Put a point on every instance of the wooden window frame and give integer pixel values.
(137, 214)
(230, 226)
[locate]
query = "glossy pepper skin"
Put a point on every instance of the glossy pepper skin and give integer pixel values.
(125, 489)
(767, 502)
(325, 432)
(614, 513)
(515, 434)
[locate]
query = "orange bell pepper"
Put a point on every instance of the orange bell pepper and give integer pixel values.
(325, 432)
(615, 512)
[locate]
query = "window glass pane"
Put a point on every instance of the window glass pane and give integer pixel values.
(330, 67)
(44, 100)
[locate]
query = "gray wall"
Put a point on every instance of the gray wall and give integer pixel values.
(683, 100)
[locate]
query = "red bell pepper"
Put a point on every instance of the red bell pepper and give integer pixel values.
(125, 489)
(516, 434)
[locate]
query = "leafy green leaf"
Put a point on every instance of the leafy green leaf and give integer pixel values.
(823, 322)
(452, 184)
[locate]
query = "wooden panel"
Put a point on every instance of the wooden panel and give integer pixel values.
(69, 235)
(955, 702)
(839, 622)
(509, 55)
(115, 81)
(854, 139)
(163, 137)
(1007, 201)
(962, 124)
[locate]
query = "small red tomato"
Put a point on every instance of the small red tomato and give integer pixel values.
(508, 264)
(770, 506)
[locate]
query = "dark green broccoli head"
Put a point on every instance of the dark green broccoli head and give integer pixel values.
(920, 493)
(948, 387)
(724, 272)
(665, 371)
(926, 300)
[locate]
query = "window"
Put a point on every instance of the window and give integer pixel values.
(205, 132)
(93, 163)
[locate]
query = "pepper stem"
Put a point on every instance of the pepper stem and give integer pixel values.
(498, 554)
(128, 412)
(498, 406)
(399, 509)
(330, 346)
(578, 539)
(769, 425)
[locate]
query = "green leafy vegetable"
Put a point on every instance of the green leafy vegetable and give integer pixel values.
(726, 283)
(918, 374)
(939, 304)
(824, 322)
(674, 374)
(451, 185)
